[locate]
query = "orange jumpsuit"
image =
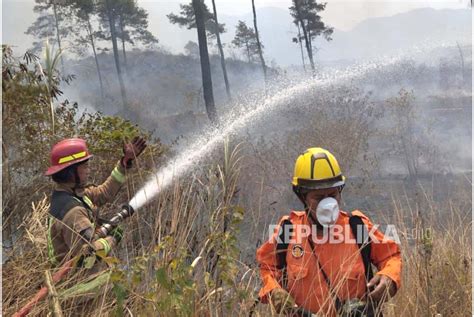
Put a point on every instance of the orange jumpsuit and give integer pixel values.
(340, 261)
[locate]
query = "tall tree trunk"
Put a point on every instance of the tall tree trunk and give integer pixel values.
(259, 46)
(205, 65)
(310, 41)
(123, 43)
(56, 21)
(221, 52)
(91, 37)
(248, 50)
(111, 17)
(305, 34)
(301, 45)
(463, 73)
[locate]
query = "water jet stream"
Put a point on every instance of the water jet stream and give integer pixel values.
(235, 122)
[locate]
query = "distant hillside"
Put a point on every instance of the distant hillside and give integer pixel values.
(371, 38)
(420, 28)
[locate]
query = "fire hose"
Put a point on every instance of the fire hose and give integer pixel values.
(126, 212)
(296, 311)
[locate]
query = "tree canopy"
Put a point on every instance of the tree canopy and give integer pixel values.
(246, 39)
(309, 15)
(186, 18)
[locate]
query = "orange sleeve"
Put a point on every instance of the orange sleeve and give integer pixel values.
(385, 253)
(267, 261)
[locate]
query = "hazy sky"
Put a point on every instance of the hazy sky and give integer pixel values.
(17, 15)
(342, 14)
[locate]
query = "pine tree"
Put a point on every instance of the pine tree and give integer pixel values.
(299, 40)
(108, 13)
(221, 53)
(306, 15)
(123, 20)
(192, 49)
(50, 24)
(245, 40)
(186, 18)
(84, 10)
(197, 19)
(259, 45)
(133, 25)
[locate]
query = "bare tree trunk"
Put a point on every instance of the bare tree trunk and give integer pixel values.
(111, 17)
(58, 38)
(91, 37)
(305, 33)
(310, 41)
(248, 51)
(123, 43)
(259, 46)
(205, 65)
(410, 146)
(221, 52)
(301, 46)
(462, 64)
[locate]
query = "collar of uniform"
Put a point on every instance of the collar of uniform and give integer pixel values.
(69, 188)
(301, 218)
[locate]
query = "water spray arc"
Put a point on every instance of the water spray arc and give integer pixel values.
(235, 122)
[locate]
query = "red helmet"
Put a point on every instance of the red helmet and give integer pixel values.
(66, 153)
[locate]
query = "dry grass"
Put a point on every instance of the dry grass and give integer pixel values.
(437, 246)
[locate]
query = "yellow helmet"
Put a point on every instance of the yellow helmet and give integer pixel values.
(317, 168)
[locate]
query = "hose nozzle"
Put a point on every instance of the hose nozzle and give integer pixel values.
(106, 228)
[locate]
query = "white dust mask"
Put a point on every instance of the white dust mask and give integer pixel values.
(327, 212)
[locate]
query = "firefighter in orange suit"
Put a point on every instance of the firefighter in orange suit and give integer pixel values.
(320, 259)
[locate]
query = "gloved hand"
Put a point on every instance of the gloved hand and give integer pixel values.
(117, 234)
(132, 150)
(282, 301)
(381, 288)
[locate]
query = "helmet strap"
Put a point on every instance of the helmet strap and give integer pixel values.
(340, 188)
(77, 180)
(310, 215)
(297, 191)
